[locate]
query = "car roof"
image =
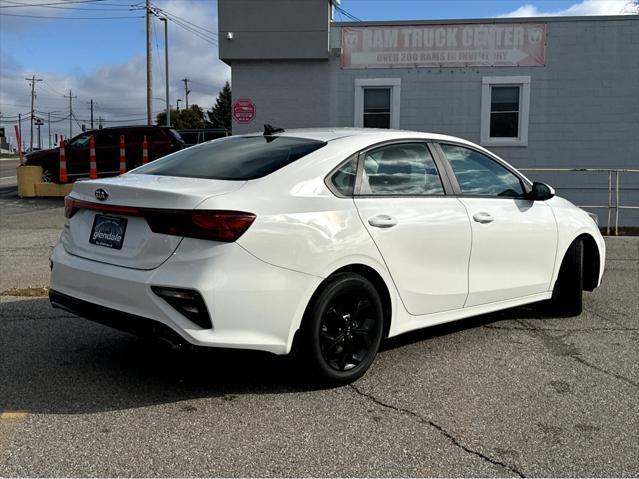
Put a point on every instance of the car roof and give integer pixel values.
(372, 134)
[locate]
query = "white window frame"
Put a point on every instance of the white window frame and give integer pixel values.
(523, 82)
(393, 83)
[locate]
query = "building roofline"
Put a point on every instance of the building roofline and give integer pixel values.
(489, 20)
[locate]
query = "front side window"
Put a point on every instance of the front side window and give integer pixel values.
(479, 175)
(402, 169)
(233, 158)
(377, 107)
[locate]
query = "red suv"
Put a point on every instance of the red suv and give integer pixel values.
(161, 140)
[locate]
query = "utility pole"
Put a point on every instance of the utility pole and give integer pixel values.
(20, 128)
(186, 91)
(166, 68)
(70, 97)
(100, 122)
(149, 73)
(92, 114)
(33, 81)
(49, 125)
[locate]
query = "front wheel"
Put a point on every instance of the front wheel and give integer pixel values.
(343, 329)
(567, 296)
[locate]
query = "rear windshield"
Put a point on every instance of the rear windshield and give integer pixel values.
(233, 158)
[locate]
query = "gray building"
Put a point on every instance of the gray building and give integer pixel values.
(543, 93)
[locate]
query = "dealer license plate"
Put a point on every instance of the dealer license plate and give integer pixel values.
(108, 231)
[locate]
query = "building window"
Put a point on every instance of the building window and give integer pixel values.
(377, 102)
(505, 107)
(377, 107)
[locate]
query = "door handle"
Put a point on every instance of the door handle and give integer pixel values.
(382, 221)
(483, 217)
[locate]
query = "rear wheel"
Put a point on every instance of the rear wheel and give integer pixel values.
(567, 296)
(343, 329)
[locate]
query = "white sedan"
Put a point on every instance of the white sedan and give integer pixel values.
(320, 242)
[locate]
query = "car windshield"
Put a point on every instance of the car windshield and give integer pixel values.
(233, 158)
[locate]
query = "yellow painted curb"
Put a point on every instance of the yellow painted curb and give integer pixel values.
(13, 415)
(53, 189)
(28, 176)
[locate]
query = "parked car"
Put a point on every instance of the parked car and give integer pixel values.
(161, 141)
(320, 242)
(200, 135)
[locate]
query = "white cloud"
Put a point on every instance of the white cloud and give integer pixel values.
(119, 89)
(583, 8)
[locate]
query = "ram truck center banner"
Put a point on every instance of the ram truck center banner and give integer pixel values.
(459, 45)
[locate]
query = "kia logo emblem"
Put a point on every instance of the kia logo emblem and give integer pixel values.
(101, 194)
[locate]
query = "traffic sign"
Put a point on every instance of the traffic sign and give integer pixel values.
(244, 111)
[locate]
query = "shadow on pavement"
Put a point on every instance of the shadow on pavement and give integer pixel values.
(54, 364)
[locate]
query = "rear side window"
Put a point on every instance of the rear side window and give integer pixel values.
(233, 158)
(405, 169)
(343, 180)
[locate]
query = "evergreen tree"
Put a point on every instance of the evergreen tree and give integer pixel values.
(220, 114)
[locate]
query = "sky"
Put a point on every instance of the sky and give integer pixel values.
(96, 49)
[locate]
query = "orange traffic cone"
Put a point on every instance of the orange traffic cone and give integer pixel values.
(63, 163)
(145, 151)
(122, 156)
(93, 167)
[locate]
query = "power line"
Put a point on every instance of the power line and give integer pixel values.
(22, 4)
(94, 9)
(200, 32)
(348, 15)
(205, 30)
(69, 18)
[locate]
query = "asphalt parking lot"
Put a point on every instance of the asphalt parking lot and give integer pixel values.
(510, 394)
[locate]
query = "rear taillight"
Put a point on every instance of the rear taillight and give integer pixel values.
(216, 225)
(68, 207)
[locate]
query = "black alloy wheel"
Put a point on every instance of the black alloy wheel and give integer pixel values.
(345, 328)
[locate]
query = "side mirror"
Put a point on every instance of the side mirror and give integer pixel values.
(541, 192)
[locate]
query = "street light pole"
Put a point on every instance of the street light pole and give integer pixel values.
(39, 123)
(166, 69)
(149, 59)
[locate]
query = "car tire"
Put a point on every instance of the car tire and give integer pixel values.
(567, 295)
(343, 329)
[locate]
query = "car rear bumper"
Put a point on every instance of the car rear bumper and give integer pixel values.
(130, 323)
(252, 304)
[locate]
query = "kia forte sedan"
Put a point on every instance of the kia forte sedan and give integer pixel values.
(319, 242)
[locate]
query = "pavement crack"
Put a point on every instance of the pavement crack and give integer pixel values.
(439, 428)
(559, 347)
(581, 360)
(563, 330)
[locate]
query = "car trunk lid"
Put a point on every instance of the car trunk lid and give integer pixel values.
(111, 227)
